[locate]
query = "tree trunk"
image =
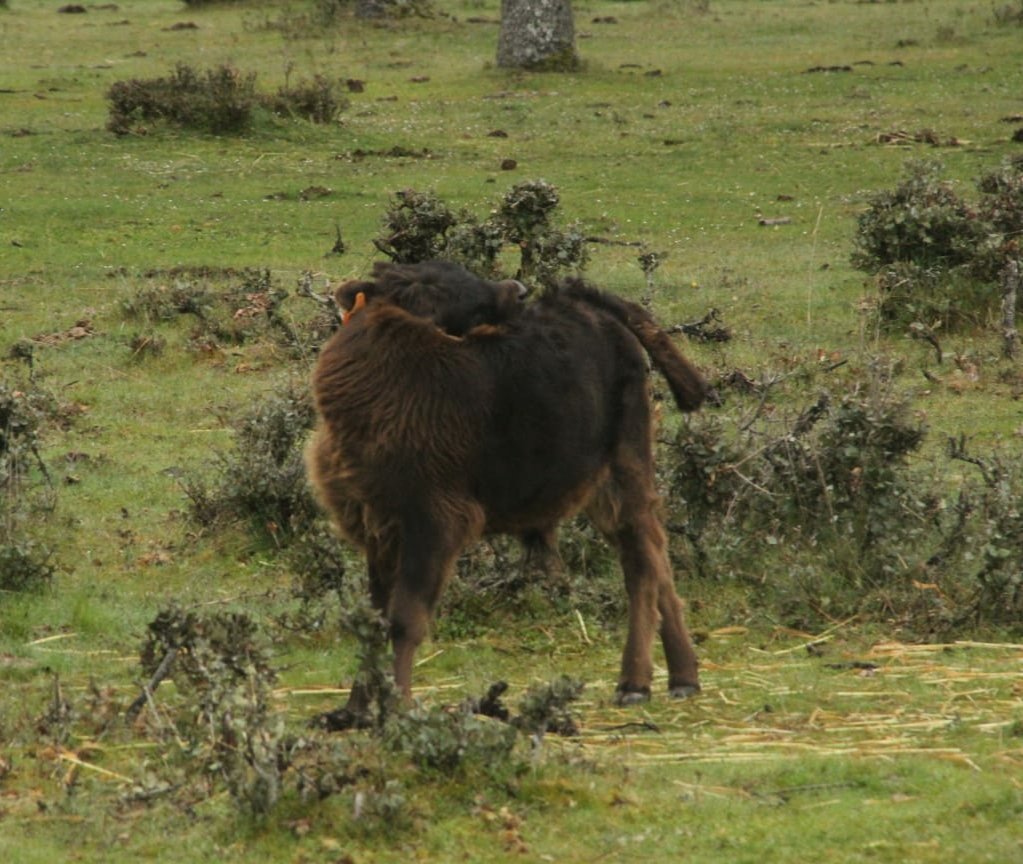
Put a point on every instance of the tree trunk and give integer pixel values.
(537, 34)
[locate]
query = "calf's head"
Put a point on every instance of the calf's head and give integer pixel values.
(446, 293)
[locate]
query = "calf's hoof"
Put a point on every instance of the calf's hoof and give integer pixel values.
(683, 691)
(631, 696)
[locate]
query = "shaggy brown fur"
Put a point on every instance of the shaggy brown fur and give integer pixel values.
(427, 441)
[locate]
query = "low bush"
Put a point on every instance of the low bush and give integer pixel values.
(923, 221)
(834, 512)
(26, 490)
(221, 101)
(229, 309)
(317, 100)
(829, 491)
(262, 479)
(449, 740)
(936, 257)
(218, 100)
(25, 564)
(223, 665)
(228, 736)
(995, 512)
(832, 468)
(1008, 14)
(419, 226)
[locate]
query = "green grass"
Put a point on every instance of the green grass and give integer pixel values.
(681, 131)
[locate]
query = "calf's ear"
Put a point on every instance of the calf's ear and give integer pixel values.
(360, 302)
(346, 293)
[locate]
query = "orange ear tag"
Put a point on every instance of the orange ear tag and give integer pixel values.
(360, 302)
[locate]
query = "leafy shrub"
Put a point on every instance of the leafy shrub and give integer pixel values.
(224, 724)
(221, 662)
(449, 740)
(703, 482)
(147, 344)
(162, 303)
(935, 257)
(1007, 14)
(997, 516)
(416, 226)
(221, 100)
(25, 565)
(247, 307)
(218, 100)
(832, 484)
(524, 216)
(419, 226)
(909, 293)
(25, 562)
(263, 479)
(833, 512)
(318, 558)
(318, 100)
(374, 680)
(922, 221)
(1001, 206)
(545, 708)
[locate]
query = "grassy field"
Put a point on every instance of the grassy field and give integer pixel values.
(688, 125)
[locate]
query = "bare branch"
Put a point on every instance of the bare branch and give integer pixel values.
(305, 289)
(957, 450)
(926, 334)
(1010, 290)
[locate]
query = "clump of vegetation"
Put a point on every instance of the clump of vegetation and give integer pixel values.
(262, 480)
(419, 226)
(923, 221)
(249, 306)
(317, 558)
(221, 101)
(936, 257)
(374, 683)
(829, 512)
(834, 477)
(148, 344)
(1001, 205)
(223, 665)
(164, 303)
(1008, 14)
(452, 739)
(546, 708)
(318, 100)
(852, 475)
(525, 219)
(26, 490)
(224, 722)
(218, 100)
(416, 226)
(997, 597)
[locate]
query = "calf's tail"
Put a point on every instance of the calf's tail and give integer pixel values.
(689, 388)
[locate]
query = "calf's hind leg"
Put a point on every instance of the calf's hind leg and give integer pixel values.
(625, 512)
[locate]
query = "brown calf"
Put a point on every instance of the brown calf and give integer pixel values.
(427, 441)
